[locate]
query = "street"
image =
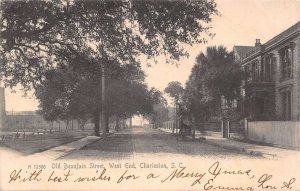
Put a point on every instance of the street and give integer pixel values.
(145, 142)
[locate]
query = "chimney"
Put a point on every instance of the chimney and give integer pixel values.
(257, 42)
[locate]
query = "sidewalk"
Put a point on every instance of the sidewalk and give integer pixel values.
(251, 149)
(39, 143)
(62, 150)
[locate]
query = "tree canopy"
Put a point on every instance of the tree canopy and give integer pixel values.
(174, 90)
(160, 111)
(37, 35)
(215, 76)
(43, 39)
(70, 94)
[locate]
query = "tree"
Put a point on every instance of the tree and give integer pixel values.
(214, 76)
(159, 110)
(73, 94)
(160, 114)
(65, 94)
(175, 91)
(37, 36)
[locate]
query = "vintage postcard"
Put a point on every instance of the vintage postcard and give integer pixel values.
(150, 95)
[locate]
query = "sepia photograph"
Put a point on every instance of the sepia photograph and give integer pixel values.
(149, 95)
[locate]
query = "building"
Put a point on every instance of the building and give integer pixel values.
(21, 120)
(271, 87)
(25, 120)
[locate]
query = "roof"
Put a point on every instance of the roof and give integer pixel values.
(286, 33)
(242, 50)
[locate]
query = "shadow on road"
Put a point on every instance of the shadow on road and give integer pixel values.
(144, 141)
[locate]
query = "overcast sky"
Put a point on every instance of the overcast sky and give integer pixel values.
(240, 23)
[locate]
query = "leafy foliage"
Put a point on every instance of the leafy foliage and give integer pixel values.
(61, 46)
(38, 35)
(66, 93)
(174, 90)
(160, 111)
(214, 76)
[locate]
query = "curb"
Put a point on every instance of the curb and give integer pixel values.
(100, 138)
(235, 148)
(243, 150)
(42, 150)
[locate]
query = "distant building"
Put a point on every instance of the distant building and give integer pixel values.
(271, 87)
(25, 120)
(32, 120)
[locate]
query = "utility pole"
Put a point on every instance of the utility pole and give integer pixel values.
(103, 125)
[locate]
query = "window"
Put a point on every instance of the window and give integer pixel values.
(270, 63)
(248, 76)
(243, 91)
(286, 105)
(255, 71)
(234, 103)
(286, 63)
(227, 104)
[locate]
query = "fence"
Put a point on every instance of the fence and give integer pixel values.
(280, 133)
(169, 125)
(209, 126)
(22, 134)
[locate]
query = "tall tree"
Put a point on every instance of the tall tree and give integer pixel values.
(175, 91)
(159, 110)
(67, 93)
(215, 76)
(36, 36)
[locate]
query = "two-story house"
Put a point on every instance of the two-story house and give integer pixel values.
(271, 87)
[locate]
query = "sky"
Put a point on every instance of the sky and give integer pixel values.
(240, 23)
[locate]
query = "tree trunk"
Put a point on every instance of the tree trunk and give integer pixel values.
(51, 126)
(103, 115)
(96, 122)
(81, 124)
(117, 123)
(67, 125)
(107, 124)
(194, 128)
(130, 122)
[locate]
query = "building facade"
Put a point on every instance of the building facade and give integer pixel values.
(271, 87)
